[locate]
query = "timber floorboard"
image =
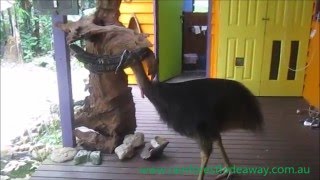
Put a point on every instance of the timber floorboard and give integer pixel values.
(284, 143)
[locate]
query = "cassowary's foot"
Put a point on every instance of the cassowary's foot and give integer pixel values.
(225, 173)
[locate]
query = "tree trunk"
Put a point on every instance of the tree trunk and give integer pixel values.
(12, 49)
(109, 109)
(36, 33)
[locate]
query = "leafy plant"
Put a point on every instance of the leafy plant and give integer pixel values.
(46, 30)
(51, 134)
(20, 168)
(35, 31)
(27, 42)
(4, 29)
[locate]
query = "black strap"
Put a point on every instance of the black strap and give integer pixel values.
(105, 63)
(86, 57)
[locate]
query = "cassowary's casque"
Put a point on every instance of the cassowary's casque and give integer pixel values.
(202, 109)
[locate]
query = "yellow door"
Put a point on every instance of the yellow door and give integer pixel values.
(241, 33)
(144, 13)
(285, 47)
(260, 40)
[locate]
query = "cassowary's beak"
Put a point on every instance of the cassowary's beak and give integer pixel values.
(152, 65)
(152, 69)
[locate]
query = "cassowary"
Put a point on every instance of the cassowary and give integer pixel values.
(202, 109)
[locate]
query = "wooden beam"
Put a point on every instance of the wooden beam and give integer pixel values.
(62, 58)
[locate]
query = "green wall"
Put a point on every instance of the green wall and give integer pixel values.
(170, 38)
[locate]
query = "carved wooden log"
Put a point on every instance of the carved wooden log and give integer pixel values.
(109, 109)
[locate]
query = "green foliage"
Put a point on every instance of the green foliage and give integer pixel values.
(3, 30)
(27, 44)
(21, 168)
(35, 32)
(51, 134)
(46, 30)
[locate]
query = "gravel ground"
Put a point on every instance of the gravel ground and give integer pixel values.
(27, 93)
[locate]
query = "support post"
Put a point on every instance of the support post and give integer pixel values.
(62, 58)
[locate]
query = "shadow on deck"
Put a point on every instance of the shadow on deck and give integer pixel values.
(285, 143)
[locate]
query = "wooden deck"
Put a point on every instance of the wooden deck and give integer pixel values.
(284, 143)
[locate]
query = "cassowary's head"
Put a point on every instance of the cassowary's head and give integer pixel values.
(151, 63)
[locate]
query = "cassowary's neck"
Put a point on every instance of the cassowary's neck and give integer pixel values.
(150, 89)
(143, 81)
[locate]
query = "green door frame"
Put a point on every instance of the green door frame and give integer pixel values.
(168, 30)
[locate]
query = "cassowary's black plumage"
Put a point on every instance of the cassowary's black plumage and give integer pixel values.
(202, 109)
(205, 107)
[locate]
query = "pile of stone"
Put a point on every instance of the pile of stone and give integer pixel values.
(25, 151)
(81, 156)
(129, 147)
(26, 145)
(131, 142)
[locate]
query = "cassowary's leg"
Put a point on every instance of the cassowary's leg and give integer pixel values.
(206, 148)
(225, 172)
(223, 153)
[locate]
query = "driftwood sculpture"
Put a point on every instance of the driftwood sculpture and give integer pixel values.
(109, 109)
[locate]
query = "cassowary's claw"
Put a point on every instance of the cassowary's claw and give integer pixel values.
(225, 173)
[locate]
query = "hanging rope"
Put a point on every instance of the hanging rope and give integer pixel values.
(312, 55)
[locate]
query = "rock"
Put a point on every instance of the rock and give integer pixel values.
(18, 143)
(124, 151)
(19, 155)
(15, 140)
(40, 154)
(35, 154)
(54, 109)
(38, 124)
(146, 152)
(40, 128)
(81, 157)
(154, 149)
(154, 143)
(34, 130)
(158, 141)
(63, 154)
(25, 139)
(95, 157)
(37, 146)
(92, 140)
(50, 148)
(33, 135)
(135, 140)
(25, 132)
(15, 148)
(24, 147)
(6, 153)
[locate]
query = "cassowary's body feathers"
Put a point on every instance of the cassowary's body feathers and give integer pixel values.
(203, 108)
